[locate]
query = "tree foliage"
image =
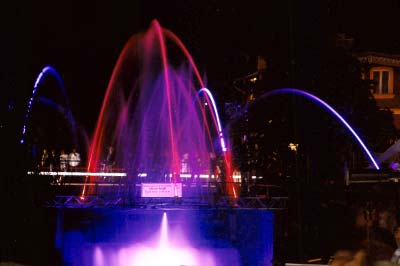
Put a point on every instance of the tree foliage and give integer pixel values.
(267, 127)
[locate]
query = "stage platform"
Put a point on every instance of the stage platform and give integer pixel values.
(124, 224)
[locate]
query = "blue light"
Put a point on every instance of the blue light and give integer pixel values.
(329, 108)
(42, 75)
(220, 134)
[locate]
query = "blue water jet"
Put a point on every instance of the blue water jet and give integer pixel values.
(46, 71)
(214, 108)
(76, 127)
(330, 109)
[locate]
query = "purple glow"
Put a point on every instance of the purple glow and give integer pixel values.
(189, 237)
(48, 70)
(230, 186)
(220, 134)
(98, 257)
(169, 256)
(164, 231)
(148, 113)
(168, 252)
(333, 111)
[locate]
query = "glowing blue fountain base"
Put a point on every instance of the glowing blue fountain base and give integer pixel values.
(132, 237)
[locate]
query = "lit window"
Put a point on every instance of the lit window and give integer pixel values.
(383, 80)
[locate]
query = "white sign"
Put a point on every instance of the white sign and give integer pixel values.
(161, 190)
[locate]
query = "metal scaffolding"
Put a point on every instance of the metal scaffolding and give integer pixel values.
(114, 190)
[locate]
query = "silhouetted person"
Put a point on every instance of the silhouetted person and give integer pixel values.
(185, 164)
(366, 253)
(74, 159)
(367, 228)
(53, 160)
(109, 163)
(63, 161)
(44, 159)
(213, 164)
(396, 253)
(63, 164)
(110, 159)
(396, 234)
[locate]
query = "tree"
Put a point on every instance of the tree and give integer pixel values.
(325, 146)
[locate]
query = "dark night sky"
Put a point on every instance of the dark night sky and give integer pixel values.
(82, 39)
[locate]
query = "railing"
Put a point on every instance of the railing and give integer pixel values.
(371, 176)
(119, 189)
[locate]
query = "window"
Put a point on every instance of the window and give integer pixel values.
(383, 80)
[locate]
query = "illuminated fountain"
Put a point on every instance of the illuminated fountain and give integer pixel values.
(46, 72)
(193, 237)
(73, 133)
(156, 112)
(153, 115)
(331, 110)
(167, 251)
(100, 237)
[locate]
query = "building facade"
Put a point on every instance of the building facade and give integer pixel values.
(383, 70)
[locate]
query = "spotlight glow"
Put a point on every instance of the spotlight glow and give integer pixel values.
(163, 253)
